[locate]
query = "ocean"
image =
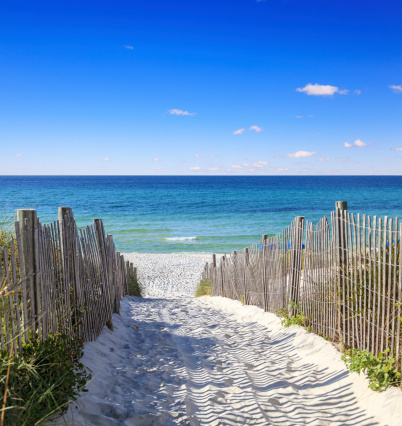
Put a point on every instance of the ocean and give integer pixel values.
(166, 214)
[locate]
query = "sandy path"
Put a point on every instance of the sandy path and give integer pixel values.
(212, 361)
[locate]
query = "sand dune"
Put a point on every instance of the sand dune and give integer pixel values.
(212, 361)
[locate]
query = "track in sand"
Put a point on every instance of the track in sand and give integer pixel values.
(210, 361)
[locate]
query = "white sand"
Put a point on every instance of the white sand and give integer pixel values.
(213, 361)
(169, 275)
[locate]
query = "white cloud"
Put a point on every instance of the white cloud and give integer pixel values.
(256, 129)
(281, 169)
(213, 168)
(127, 46)
(298, 116)
(321, 160)
(180, 112)
(310, 116)
(156, 159)
(195, 168)
(300, 154)
(357, 92)
(396, 149)
(18, 155)
(357, 143)
(258, 165)
(321, 90)
(204, 156)
(396, 89)
(238, 132)
(106, 159)
(251, 166)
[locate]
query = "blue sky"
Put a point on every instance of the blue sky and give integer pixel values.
(201, 87)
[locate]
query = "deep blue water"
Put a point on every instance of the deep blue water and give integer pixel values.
(198, 213)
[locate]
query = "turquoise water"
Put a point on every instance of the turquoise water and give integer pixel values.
(163, 214)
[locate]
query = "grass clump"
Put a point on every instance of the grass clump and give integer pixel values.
(288, 319)
(134, 286)
(41, 381)
(204, 288)
(380, 369)
(5, 236)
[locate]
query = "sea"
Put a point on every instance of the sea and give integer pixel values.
(167, 214)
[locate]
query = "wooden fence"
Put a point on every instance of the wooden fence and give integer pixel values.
(57, 278)
(343, 274)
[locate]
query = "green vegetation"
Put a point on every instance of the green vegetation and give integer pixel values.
(134, 286)
(45, 377)
(42, 381)
(380, 370)
(288, 319)
(204, 288)
(5, 237)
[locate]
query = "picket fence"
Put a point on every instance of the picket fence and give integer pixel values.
(343, 275)
(57, 278)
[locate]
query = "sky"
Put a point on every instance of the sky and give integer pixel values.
(240, 87)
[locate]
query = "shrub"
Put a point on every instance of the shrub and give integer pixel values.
(288, 319)
(42, 380)
(380, 370)
(134, 286)
(204, 288)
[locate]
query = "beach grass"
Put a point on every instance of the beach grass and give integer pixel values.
(134, 286)
(204, 288)
(42, 381)
(45, 377)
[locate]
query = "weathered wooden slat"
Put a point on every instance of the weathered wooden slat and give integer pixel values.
(25, 320)
(384, 282)
(16, 301)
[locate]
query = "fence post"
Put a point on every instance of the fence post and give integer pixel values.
(213, 277)
(100, 236)
(131, 270)
(222, 265)
(64, 212)
(127, 272)
(135, 273)
(28, 219)
(264, 271)
(68, 252)
(341, 208)
(296, 261)
(246, 264)
(234, 263)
